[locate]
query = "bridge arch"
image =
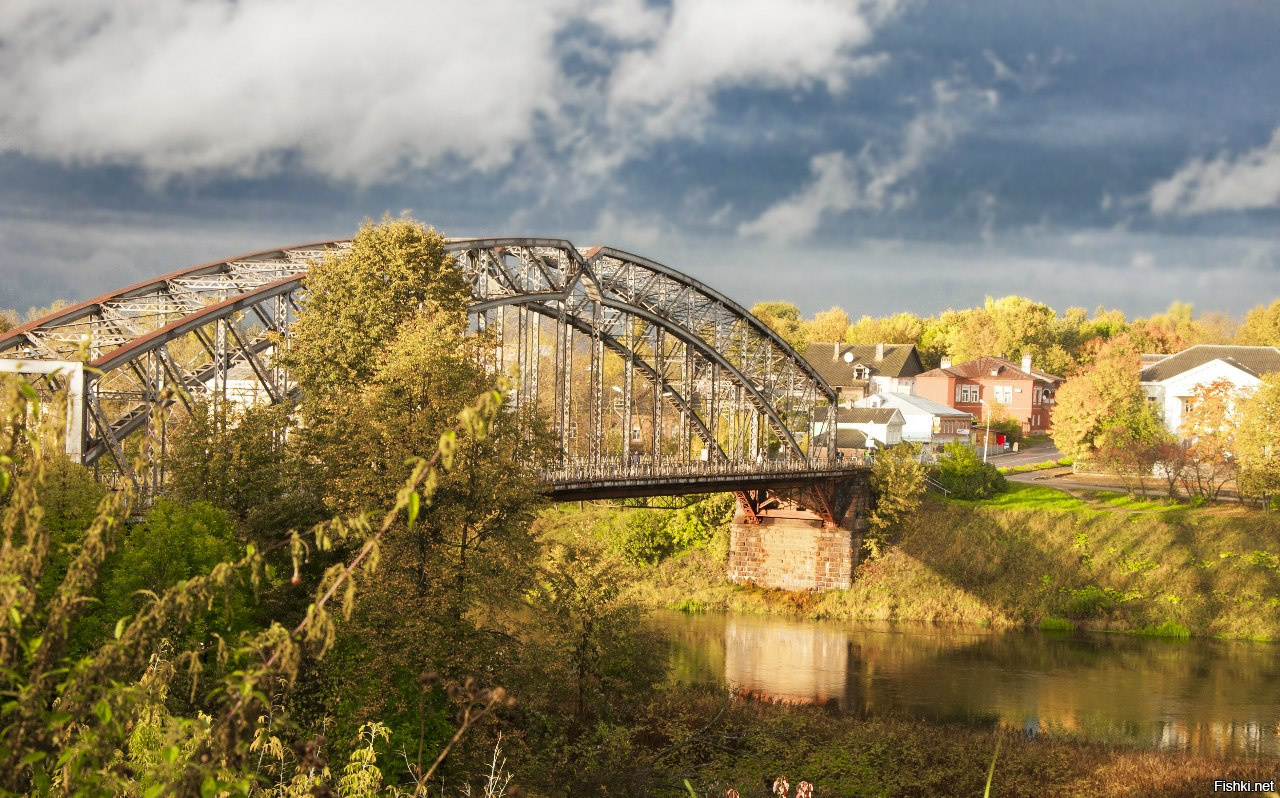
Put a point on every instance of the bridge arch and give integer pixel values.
(691, 362)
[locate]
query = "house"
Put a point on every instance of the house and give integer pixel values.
(850, 444)
(1170, 381)
(926, 422)
(880, 426)
(1024, 393)
(859, 370)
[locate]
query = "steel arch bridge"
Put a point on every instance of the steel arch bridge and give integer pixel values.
(655, 383)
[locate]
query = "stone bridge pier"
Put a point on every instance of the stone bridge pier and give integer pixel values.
(804, 538)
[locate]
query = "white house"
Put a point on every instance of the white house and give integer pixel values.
(1170, 382)
(925, 421)
(859, 370)
(881, 426)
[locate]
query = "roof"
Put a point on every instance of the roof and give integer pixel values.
(845, 439)
(865, 415)
(1255, 360)
(900, 360)
(909, 402)
(981, 368)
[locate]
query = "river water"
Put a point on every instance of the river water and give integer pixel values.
(1207, 696)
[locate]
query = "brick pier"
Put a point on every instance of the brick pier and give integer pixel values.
(795, 550)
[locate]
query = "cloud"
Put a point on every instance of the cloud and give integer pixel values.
(206, 88)
(1246, 182)
(710, 45)
(873, 180)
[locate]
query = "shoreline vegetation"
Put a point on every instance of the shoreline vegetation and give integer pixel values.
(1032, 557)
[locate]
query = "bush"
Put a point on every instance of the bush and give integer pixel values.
(1166, 629)
(964, 476)
(1091, 601)
(1052, 624)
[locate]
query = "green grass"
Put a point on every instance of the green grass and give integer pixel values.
(1167, 629)
(1052, 624)
(1031, 497)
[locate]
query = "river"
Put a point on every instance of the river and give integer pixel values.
(1208, 696)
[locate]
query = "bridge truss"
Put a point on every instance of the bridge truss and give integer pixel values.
(649, 377)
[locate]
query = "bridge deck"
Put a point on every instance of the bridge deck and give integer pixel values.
(615, 481)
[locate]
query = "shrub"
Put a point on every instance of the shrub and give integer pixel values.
(963, 474)
(1053, 624)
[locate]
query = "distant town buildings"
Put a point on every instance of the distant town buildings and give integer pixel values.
(995, 386)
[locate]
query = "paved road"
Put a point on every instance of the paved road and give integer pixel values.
(1036, 454)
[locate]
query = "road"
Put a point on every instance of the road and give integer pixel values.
(1036, 454)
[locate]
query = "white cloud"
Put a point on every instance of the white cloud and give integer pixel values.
(1246, 182)
(199, 88)
(872, 181)
(715, 44)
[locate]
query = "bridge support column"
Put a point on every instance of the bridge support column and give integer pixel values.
(806, 542)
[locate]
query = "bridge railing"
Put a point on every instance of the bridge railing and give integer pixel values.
(618, 469)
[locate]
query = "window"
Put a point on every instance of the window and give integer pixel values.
(635, 434)
(967, 393)
(1004, 394)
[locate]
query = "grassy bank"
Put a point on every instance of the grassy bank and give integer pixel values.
(750, 742)
(1033, 556)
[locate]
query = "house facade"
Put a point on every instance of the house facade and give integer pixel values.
(1170, 382)
(879, 426)
(860, 370)
(1021, 392)
(926, 422)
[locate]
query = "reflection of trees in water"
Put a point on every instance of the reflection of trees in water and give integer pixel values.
(1202, 695)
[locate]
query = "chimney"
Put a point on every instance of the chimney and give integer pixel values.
(946, 362)
(835, 351)
(1026, 362)
(879, 352)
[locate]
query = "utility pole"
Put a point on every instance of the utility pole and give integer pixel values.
(986, 436)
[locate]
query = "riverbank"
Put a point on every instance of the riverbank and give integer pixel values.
(1033, 556)
(718, 744)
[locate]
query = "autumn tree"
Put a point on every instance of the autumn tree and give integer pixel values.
(783, 318)
(358, 297)
(1130, 445)
(900, 328)
(1257, 441)
(1095, 397)
(828, 325)
(1261, 326)
(1209, 427)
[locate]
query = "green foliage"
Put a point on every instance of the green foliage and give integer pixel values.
(1256, 445)
(964, 476)
(649, 536)
(898, 484)
(1098, 396)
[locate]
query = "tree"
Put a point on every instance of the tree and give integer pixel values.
(900, 328)
(1097, 396)
(1209, 427)
(784, 319)
(359, 296)
(8, 319)
(1261, 326)
(1131, 444)
(1257, 441)
(828, 325)
(897, 482)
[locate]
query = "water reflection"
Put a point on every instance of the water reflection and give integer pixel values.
(1207, 696)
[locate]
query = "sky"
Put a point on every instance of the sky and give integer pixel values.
(882, 155)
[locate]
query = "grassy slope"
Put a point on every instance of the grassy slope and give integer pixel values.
(1033, 555)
